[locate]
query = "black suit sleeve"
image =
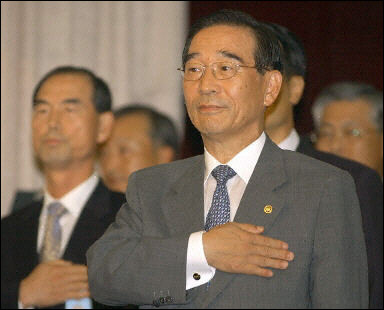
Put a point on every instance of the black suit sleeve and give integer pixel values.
(9, 285)
(370, 193)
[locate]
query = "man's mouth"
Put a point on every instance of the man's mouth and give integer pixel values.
(210, 108)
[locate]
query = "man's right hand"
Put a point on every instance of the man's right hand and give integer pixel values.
(53, 283)
(240, 248)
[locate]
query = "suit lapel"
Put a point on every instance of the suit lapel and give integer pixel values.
(268, 176)
(183, 206)
(89, 226)
(27, 236)
(261, 204)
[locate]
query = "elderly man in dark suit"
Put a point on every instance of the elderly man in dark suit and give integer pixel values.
(246, 225)
(280, 128)
(43, 245)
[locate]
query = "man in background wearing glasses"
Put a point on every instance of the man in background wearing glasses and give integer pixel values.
(246, 225)
(349, 122)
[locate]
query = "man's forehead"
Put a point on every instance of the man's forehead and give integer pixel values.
(228, 41)
(225, 33)
(136, 121)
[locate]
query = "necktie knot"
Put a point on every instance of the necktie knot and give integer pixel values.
(56, 210)
(223, 173)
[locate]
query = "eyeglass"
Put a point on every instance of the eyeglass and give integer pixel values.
(347, 133)
(220, 70)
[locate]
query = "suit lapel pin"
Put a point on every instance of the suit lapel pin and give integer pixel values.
(268, 209)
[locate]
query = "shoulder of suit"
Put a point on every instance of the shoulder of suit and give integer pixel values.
(174, 167)
(113, 200)
(30, 211)
(305, 162)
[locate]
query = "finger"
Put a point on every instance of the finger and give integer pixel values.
(77, 294)
(269, 242)
(269, 252)
(75, 287)
(250, 228)
(262, 261)
(75, 269)
(59, 262)
(74, 278)
(68, 277)
(252, 269)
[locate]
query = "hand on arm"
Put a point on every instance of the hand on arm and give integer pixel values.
(52, 283)
(240, 248)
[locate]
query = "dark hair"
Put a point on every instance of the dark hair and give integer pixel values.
(102, 97)
(293, 56)
(163, 130)
(267, 51)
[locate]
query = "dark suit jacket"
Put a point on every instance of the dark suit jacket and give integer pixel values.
(25, 198)
(141, 258)
(369, 189)
(19, 239)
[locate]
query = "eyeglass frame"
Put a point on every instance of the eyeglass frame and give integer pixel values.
(237, 66)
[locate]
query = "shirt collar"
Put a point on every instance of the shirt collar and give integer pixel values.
(243, 163)
(291, 142)
(75, 200)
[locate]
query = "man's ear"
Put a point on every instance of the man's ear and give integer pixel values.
(106, 122)
(274, 80)
(296, 86)
(165, 154)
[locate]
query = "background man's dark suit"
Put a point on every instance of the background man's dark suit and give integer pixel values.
(19, 239)
(25, 198)
(369, 190)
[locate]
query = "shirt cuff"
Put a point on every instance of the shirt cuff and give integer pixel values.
(20, 304)
(198, 270)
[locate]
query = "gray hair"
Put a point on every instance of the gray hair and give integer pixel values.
(350, 91)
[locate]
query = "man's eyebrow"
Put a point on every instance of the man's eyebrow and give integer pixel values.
(222, 53)
(231, 55)
(72, 100)
(66, 101)
(190, 56)
(39, 101)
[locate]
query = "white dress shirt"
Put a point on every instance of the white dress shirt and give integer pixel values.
(243, 164)
(291, 142)
(74, 201)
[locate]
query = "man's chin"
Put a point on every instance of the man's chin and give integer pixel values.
(54, 161)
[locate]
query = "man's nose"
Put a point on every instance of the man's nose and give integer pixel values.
(54, 118)
(208, 83)
(337, 144)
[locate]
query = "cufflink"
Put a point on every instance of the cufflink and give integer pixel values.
(196, 276)
(169, 299)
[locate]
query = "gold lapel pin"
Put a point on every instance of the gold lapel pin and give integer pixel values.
(268, 209)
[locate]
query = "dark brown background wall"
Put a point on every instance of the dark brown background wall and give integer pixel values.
(343, 41)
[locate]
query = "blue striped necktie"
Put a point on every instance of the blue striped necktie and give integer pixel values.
(220, 211)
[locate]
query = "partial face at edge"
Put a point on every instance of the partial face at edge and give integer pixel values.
(129, 149)
(346, 129)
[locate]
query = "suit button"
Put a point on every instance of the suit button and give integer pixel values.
(196, 276)
(169, 299)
